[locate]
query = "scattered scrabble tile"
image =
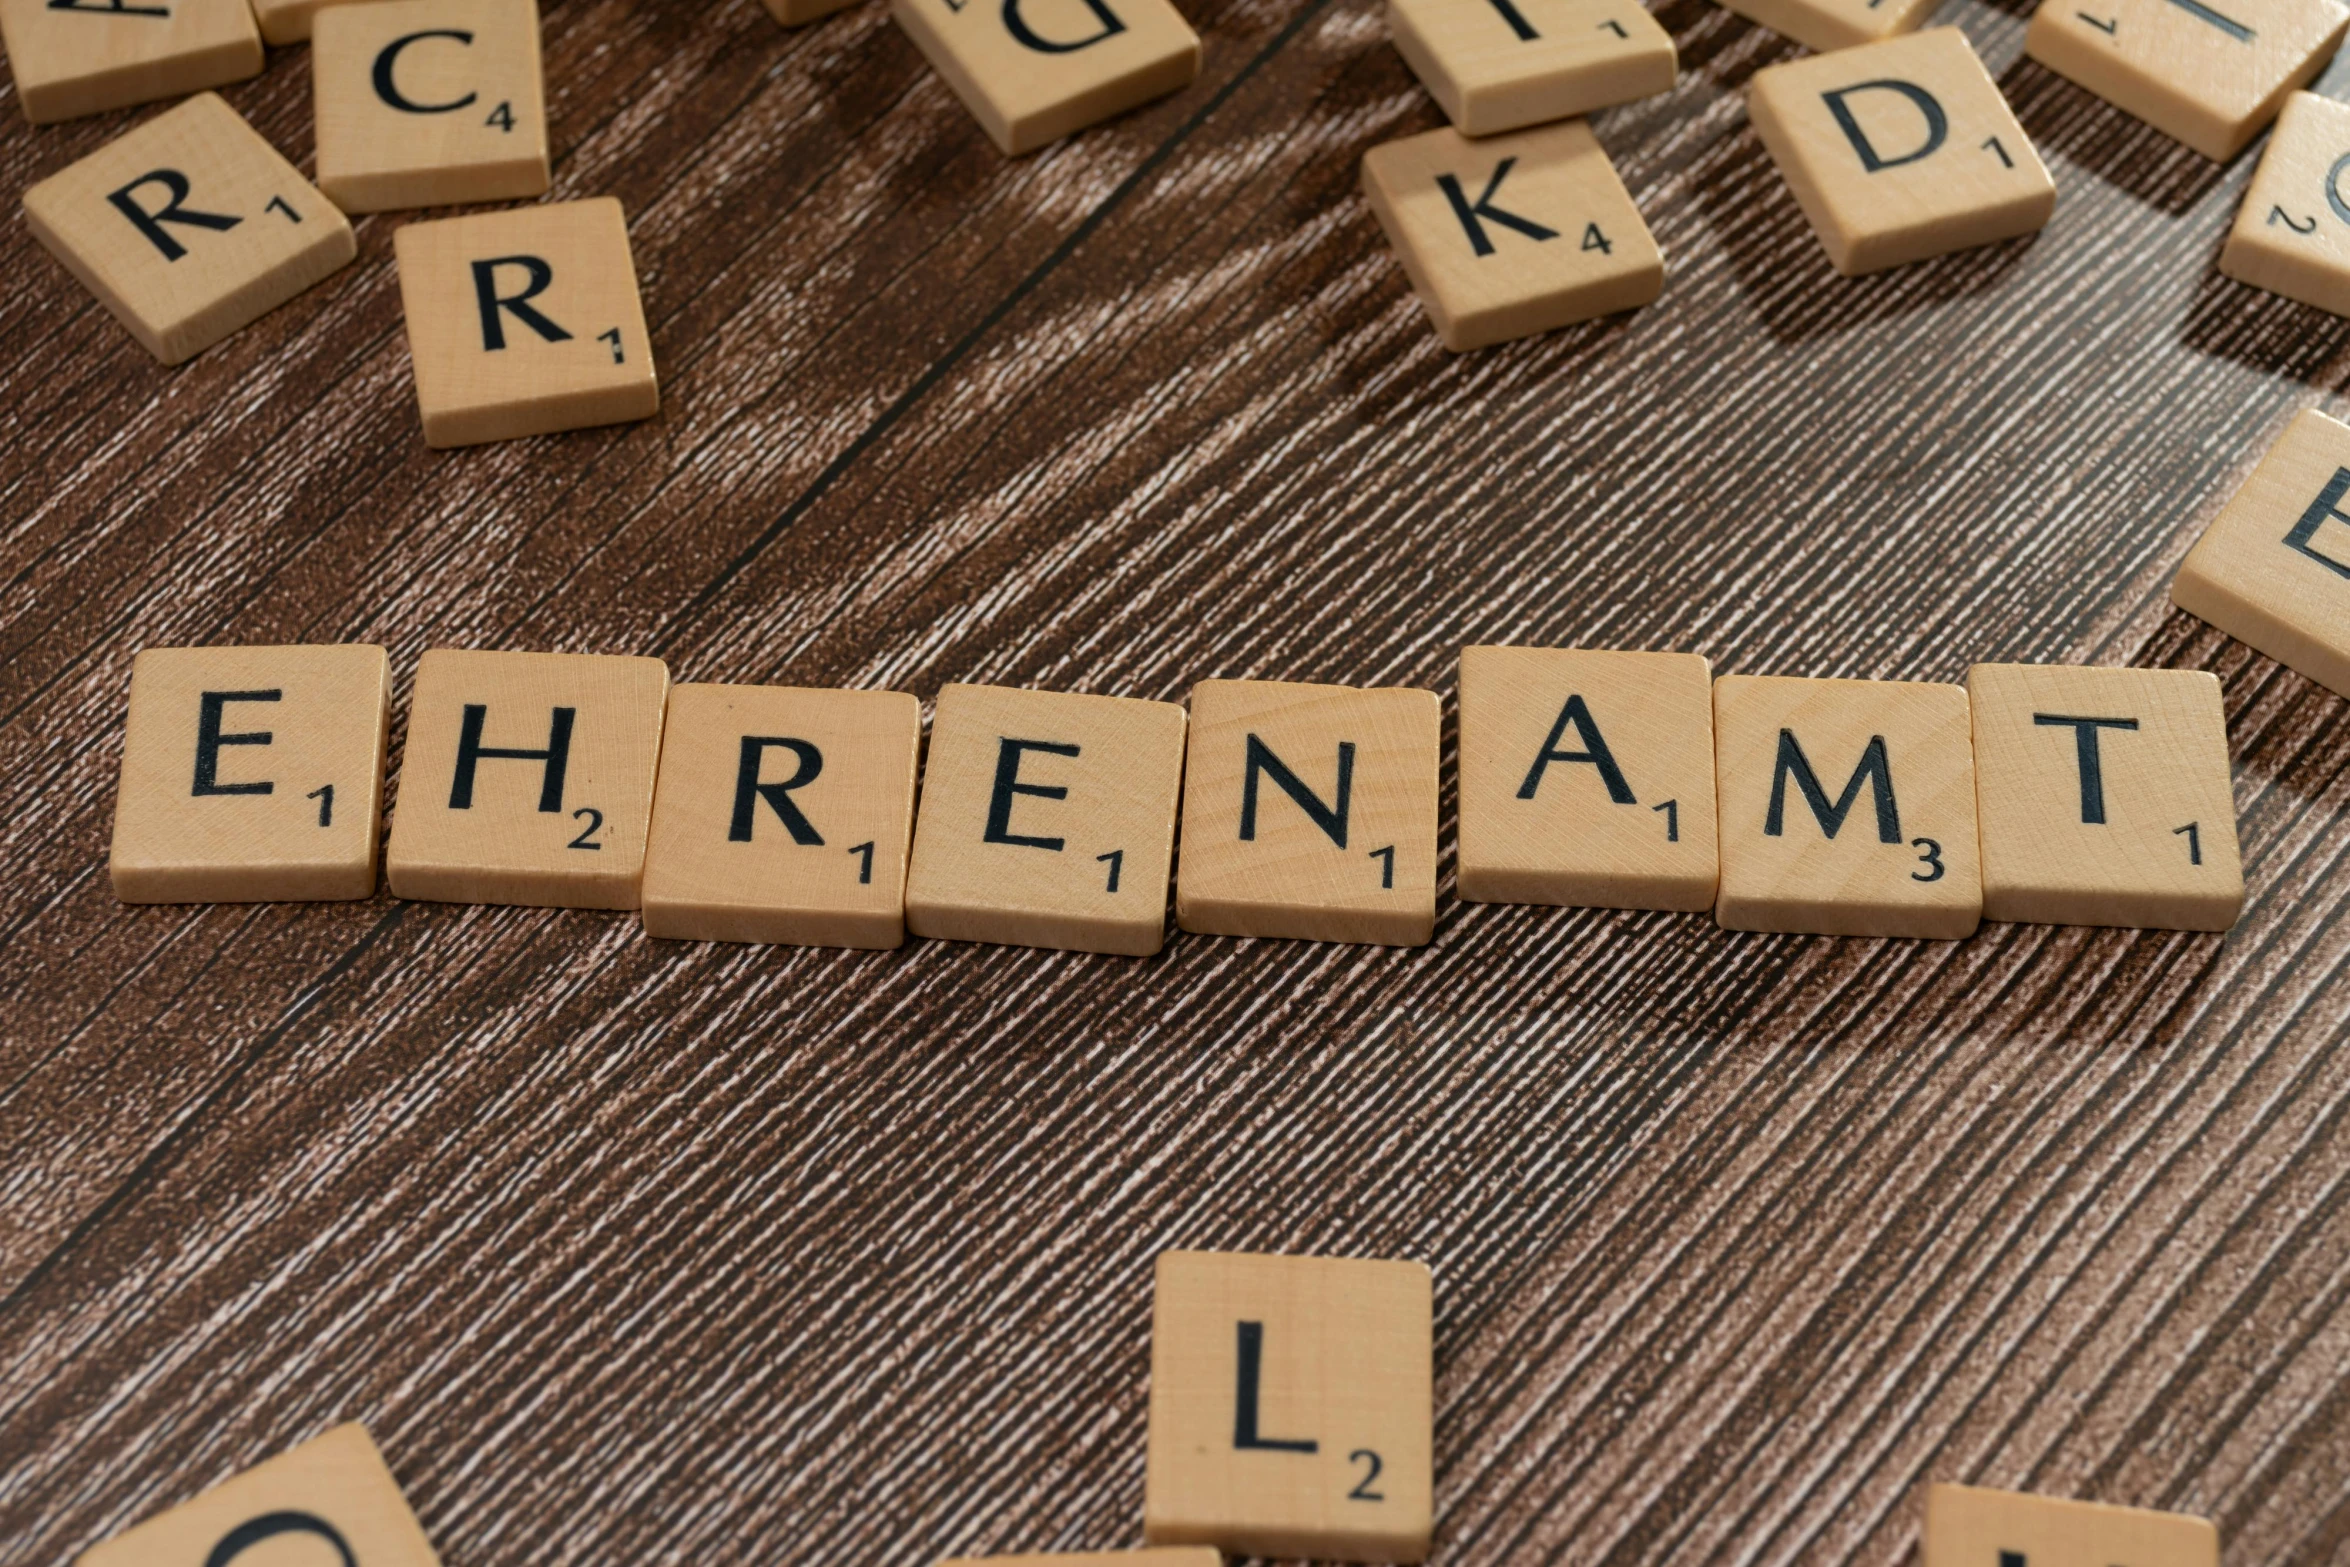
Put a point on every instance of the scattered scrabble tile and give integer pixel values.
(429, 103)
(1513, 235)
(2292, 234)
(783, 815)
(2103, 797)
(1290, 1406)
(1970, 1527)
(1835, 24)
(1170, 1556)
(251, 774)
(292, 21)
(1309, 811)
(189, 227)
(2273, 570)
(2211, 73)
(77, 57)
(1900, 150)
(1033, 71)
(528, 779)
(1500, 65)
(1048, 820)
(1847, 807)
(329, 1499)
(525, 322)
(1587, 778)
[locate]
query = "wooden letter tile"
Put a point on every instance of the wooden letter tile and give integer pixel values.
(86, 58)
(1970, 1527)
(251, 774)
(2103, 797)
(331, 1498)
(2292, 234)
(1171, 1556)
(189, 227)
(1835, 24)
(783, 815)
(1587, 778)
(1032, 71)
(1048, 820)
(1310, 811)
(2273, 570)
(292, 21)
(1900, 150)
(1847, 807)
(1291, 1406)
(1500, 65)
(2211, 74)
(525, 322)
(425, 103)
(528, 779)
(1512, 235)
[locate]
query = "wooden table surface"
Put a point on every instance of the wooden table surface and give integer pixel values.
(634, 1252)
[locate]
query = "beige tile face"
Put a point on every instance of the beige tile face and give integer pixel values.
(292, 21)
(1970, 1527)
(2211, 74)
(425, 103)
(1290, 1406)
(2103, 797)
(528, 779)
(1900, 150)
(189, 227)
(1047, 820)
(1032, 71)
(331, 1491)
(95, 55)
(251, 774)
(1169, 1556)
(1502, 65)
(1835, 24)
(525, 322)
(783, 815)
(1310, 812)
(1512, 235)
(1587, 778)
(2273, 569)
(2292, 234)
(1847, 807)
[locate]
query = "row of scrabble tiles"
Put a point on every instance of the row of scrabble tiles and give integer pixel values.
(1049, 819)
(1291, 1414)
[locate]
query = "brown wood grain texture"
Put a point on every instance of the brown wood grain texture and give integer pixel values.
(642, 1251)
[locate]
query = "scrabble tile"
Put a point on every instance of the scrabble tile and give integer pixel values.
(429, 103)
(189, 227)
(798, 13)
(1847, 807)
(2103, 797)
(292, 21)
(1970, 1527)
(525, 322)
(2292, 234)
(332, 1497)
(88, 56)
(1900, 150)
(1500, 65)
(2211, 73)
(528, 779)
(1048, 820)
(1835, 24)
(1587, 778)
(1171, 1556)
(783, 815)
(2273, 569)
(1033, 71)
(1290, 1406)
(1309, 811)
(251, 774)
(1513, 235)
